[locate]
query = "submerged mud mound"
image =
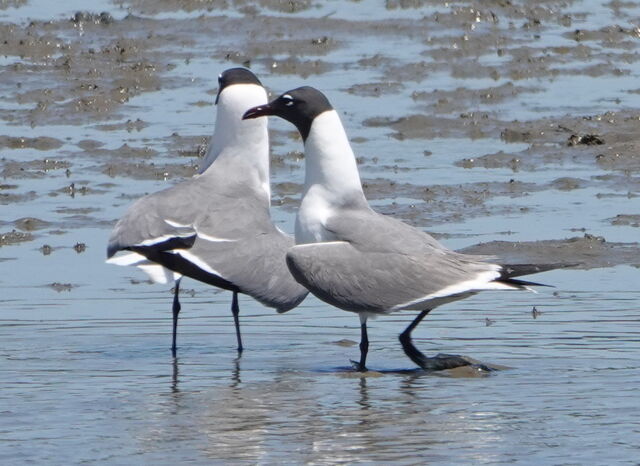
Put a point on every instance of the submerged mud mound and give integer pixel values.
(585, 252)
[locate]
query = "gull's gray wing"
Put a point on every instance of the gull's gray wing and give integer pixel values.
(189, 209)
(379, 264)
(255, 264)
(216, 230)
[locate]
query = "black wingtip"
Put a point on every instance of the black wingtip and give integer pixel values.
(509, 271)
(522, 283)
(112, 249)
(516, 270)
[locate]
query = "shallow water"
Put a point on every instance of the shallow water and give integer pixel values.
(86, 369)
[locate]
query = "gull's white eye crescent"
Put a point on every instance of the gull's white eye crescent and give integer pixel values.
(288, 100)
(219, 76)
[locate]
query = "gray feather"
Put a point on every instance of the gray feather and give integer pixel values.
(378, 263)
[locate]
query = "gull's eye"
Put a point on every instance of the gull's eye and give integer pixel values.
(220, 77)
(288, 100)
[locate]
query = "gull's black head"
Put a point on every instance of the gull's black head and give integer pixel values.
(235, 76)
(298, 106)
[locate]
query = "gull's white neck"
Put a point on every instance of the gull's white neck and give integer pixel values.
(235, 138)
(331, 177)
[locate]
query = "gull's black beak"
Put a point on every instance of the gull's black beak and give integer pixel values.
(259, 111)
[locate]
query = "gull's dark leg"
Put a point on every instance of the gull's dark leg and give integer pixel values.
(235, 310)
(176, 311)
(364, 345)
(438, 362)
(405, 339)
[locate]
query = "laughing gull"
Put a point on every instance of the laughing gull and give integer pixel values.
(358, 260)
(216, 227)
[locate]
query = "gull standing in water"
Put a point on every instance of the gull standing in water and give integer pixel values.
(216, 227)
(358, 260)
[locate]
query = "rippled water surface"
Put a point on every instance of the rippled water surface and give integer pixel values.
(461, 115)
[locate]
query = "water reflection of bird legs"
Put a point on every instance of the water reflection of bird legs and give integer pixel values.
(364, 394)
(235, 373)
(174, 377)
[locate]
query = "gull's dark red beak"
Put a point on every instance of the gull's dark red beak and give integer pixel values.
(259, 111)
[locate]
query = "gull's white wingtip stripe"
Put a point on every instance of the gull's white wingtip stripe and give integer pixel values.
(198, 261)
(162, 239)
(177, 224)
(483, 282)
(213, 239)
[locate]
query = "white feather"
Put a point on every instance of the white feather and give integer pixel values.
(156, 272)
(331, 174)
(188, 255)
(176, 224)
(484, 281)
(129, 258)
(323, 243)
(214, 239)
(163, 238)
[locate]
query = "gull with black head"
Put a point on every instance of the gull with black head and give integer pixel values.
(353, 258)
(216, 227)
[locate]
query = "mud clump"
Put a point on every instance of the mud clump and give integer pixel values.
(129, 125)
(567, 183)
(13, 169)
(14, 237)
(509, 135)
(90, 144)
(586, 139)
(81, 17)
(585, 252)
(461, 99)
(375, 89)
(627, 220)
(39, 143)
(30, 224)
(498, 160)
(60, 287)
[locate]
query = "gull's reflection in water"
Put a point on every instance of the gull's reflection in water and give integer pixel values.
(411, 383)
(174, 376)
(363, 400)
(235, 373)
(176, 403)
(235, 413)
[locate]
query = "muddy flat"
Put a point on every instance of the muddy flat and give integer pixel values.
(504, 128)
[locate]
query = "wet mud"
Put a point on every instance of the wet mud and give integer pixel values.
(86, 68)
(578, 252)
